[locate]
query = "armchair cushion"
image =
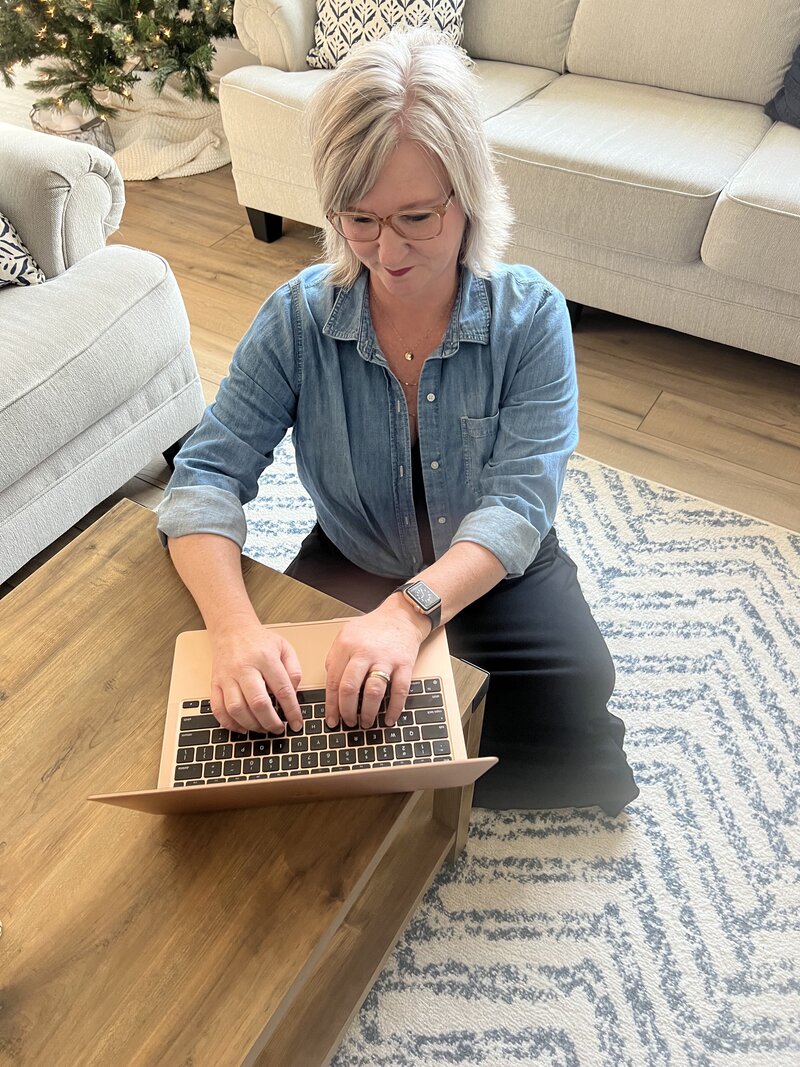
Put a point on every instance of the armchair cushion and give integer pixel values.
(17, 265)
(342, 26)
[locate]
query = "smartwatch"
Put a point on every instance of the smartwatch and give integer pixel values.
(423, 599)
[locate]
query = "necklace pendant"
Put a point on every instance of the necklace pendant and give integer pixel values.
(409, 356)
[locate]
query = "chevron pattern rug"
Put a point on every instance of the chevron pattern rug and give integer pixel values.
(670, 935)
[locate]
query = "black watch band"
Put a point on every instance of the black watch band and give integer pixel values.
(423, 599)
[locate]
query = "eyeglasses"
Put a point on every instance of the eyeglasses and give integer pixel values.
(415, 225)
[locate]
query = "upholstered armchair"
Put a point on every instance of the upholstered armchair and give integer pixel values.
(97, 377)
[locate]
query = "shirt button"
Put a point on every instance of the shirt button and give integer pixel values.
(431, 396)
(441, 519)
(434, 466)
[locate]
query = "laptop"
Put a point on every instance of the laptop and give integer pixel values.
(207, 768)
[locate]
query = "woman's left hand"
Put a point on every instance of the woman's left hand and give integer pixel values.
(387, 640)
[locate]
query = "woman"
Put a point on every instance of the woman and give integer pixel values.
(433, 400)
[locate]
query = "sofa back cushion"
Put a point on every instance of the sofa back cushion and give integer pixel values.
(731, 49)
(531, 32)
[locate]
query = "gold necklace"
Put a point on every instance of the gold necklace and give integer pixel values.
(408, 354)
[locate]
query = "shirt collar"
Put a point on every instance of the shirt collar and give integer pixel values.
(349, 319)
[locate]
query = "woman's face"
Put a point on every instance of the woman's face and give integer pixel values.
(403, 269)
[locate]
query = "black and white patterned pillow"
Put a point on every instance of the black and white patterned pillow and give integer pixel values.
(17, 265)
(342, 24)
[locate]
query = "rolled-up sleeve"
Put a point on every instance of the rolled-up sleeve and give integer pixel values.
(521, 483)
(217, 469)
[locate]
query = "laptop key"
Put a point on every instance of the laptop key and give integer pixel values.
(207, 752)
(415, 687)
(280, 745)
(198, 722)
(355, 738)
(318, 743)
(422, 748)
(393, 735)
(270, 764)
(238, 737)
(188, 771)
(251, 766)
(321, 770)
(199, 737)
(424, 759)
(403, 751)
(442, 759)
(319, 711)
(328, 759)
(190, 704)
(219, 737)
(434, 732)
(441, 748)
(314, 726)
(244, 748)
(341, 767)
(299, 744)
(213, 770)
(385, 753)
(290, 762)
(366, 755)
(411, 733)
(374, 737)
(422, 716)
(347, 756)
(223, 752)
(237, 778)
(255, 735)
(310, 696)
(433, 685)
(428, 700)
(307, 711)
(261, 748)
(309, 759)
(402, 763)
(185, 755)
(337, 741)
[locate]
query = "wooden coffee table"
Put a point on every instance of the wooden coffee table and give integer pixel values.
(247, 937)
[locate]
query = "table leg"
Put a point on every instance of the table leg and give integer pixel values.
(452, 807)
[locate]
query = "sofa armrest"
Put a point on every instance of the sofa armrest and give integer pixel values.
(279, 32)
(64, 197)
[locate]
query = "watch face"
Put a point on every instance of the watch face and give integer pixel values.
(424, 595)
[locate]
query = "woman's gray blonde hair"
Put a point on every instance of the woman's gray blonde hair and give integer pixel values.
(411, 85)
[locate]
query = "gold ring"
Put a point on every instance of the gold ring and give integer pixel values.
(381, 674)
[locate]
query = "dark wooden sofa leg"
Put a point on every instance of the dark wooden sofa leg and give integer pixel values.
(170, 453)
(265, 227)
(575, 312)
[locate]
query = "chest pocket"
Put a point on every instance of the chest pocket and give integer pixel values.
(477, 438)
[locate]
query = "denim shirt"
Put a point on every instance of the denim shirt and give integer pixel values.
(497, 418)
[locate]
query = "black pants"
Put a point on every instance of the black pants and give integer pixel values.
(551, 677)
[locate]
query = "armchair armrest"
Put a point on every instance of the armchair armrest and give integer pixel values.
(279, 32)
(65, 198)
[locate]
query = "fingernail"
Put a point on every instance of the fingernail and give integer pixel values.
(391, 722)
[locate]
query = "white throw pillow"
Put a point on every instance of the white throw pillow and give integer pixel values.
(342, 24)
(17, 266)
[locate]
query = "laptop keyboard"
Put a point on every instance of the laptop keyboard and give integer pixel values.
(208, 754)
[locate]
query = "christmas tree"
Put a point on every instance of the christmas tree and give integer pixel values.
(96, 46)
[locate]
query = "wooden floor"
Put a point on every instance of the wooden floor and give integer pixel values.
(714, 421)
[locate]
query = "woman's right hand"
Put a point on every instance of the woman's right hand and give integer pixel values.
(249, 662)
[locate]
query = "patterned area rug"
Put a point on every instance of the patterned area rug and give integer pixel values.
(669, 936)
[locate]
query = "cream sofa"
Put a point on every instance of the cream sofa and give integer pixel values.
(96, 373)
(646, 178)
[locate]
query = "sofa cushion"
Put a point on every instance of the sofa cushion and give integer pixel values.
(532, 32)
(731, 49)
(340, 27)
(628, 167)
(17, 265)
(785, 106)
(754, 230)
(85, 354)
